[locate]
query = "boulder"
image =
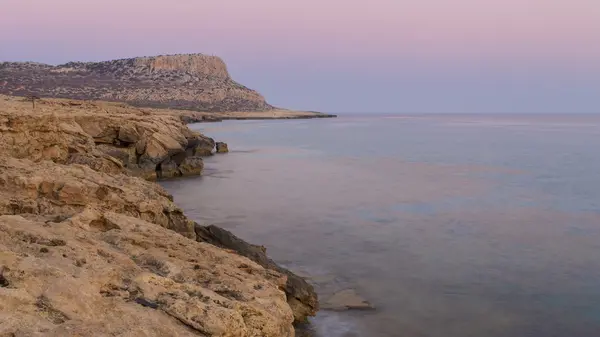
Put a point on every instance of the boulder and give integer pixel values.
(222, 147)
(128, 134)
(201, 145)
(347, 299)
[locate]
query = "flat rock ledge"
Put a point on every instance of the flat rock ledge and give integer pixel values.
(347, 299)
(89, 246)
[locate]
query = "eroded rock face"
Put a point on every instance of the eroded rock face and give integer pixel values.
(75, 214)
(132, 278)
(222, 147)
(300, 294)
(190, 81)
(50, 189)
(106, 137)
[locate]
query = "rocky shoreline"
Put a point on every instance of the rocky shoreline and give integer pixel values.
(90, 246)
(190, 117)
(191, 120)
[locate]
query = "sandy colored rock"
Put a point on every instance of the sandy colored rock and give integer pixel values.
(72, 278)
(88, 247)
(107, 137)
(50, 189)
(222, 147)
(301, 295)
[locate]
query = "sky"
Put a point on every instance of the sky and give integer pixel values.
(439, 56)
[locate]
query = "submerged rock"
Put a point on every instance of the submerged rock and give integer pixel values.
(347, 300)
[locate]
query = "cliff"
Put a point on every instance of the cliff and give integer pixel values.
(88, 247)
(195, 82)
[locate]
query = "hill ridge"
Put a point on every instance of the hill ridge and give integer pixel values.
(182, 81)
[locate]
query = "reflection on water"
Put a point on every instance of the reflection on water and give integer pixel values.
(448, 229)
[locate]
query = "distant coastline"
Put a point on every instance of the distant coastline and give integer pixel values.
(190, 117)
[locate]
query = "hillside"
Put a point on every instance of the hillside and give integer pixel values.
(192, 81)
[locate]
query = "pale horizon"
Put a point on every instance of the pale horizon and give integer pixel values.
(384, 56)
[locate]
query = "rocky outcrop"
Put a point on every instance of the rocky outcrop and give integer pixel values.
(106, 137)
(300, 294)
(63, 191)
(107, 274)
(194, 81)
(221, 147)
(88, 247)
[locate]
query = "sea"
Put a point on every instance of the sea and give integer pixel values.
(449, 225)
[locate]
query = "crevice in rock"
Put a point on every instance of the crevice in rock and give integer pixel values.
(138, 157)
(146, 303)
(185, 323)
(103, 225)
(3, 281)
(121, 144)
(158, 170)
(231, 294)
(152, 264)
(56, 316)
(56, 192)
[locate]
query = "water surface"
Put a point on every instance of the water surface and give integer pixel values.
(451, 225)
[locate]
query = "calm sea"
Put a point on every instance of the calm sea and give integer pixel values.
(450, 225)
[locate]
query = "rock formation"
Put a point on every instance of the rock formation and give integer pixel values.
(221, 147)
(107, 274)
(88, 247)
(301, 296)
(107, 137)
(194, 81)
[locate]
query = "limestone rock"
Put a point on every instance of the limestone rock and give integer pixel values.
(192, 81)
(201, 145)
(128, 134)
(72, 278)
(300, 294)
(106, 137)
(50, 189)
(222, 147)
(75, 213)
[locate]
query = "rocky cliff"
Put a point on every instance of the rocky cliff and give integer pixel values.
(88, 247)
(194, 82)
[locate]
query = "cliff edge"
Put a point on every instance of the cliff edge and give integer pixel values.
(191, 81)
(88, 247)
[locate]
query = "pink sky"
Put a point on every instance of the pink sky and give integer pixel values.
(370, 36)
(508, 29)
